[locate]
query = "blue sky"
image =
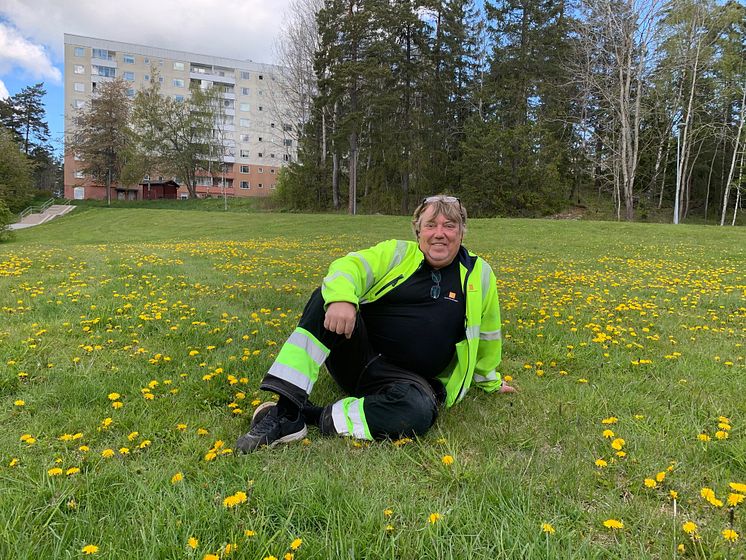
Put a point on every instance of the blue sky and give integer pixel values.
(31, 35)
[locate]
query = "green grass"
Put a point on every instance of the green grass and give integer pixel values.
(111, 300)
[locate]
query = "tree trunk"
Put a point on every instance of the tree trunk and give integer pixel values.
(733, 161)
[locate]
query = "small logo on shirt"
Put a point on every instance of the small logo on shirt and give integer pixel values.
(451, 296)
(471, 288)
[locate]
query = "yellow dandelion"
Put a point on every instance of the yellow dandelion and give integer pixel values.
(613, 524)
(608, 434)
(738, 487)
(447, 460)
(193, 543)
(211, 557)
(55, 471)
(547, 528)
(610, 420)
(289, 556)
(730, 535)
(703, 437)
(14, 462)
(388, 512)
(249, 533)
(600, 463)
(681, 549)
(133, 435)
(19, 402)
(295, 545)
(673, 494)
(689, 527)
(433, 518)
(114, 396)
(89, 549)
(720, 434)
(650, 483)
(707, 493)
(107, 453)
(178, 477)
(735, 499)
(661, 476)
(72, 471)
(236, 499)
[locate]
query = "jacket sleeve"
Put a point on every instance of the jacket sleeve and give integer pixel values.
(489, 351)
(350, 277)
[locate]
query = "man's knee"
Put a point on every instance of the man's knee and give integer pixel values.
(401, 409)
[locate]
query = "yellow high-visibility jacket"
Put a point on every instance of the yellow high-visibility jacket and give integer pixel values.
(364, 276)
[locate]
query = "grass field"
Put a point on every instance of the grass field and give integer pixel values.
(132, 343)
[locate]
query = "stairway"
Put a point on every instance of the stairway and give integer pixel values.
(34, 218)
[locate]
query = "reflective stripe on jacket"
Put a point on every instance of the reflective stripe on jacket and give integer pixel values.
(364, 276)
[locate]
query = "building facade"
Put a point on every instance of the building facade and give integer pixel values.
(257, 140)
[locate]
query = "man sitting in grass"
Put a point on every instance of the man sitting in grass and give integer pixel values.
(403, 327)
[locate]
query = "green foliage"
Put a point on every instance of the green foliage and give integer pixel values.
(102, 133)
(6, 218)
(174, 137)
(15, 174)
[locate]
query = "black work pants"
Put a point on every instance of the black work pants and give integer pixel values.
(396, 402)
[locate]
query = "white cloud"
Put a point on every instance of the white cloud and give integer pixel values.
(243, 29)
(4, 94)
(18, 52)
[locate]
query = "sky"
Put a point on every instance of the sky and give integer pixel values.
(31, 36)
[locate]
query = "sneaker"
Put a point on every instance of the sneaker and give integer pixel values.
(269, 429)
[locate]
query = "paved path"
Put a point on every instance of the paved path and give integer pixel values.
(49, 214)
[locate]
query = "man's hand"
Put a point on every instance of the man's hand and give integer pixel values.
(505, 388)
(340, 318)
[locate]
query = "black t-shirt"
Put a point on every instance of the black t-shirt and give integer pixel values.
(414, 330)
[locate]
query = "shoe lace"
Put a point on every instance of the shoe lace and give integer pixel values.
(265, 425)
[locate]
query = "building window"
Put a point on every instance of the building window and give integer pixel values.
(261, 77)
(103, 54)
(178, 82)
(272, 171)
(146, 60)
(179, 97)
(128, 59)
(129, 76)
(79, 174)
(244, 169)
(260, 186)
(79, 51)
(271, 125)
(261, 169)
(245, 185)
(104, 71)
(78, 103)
(131, 92)
(287, 127)
(245, 107)
(261, 108)
(245, 153)
(245, 138)
(245, 75)
(146, 78)
(271, 155)
(79, 69)
(244, 91)
(260, 138)
(286, 157)
(178, 66)
(77, 157)
(244, 122)
(79, 87)
(272, 186)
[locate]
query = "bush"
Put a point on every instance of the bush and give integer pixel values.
(6, 218)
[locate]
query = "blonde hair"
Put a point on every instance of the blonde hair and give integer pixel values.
(445, 205)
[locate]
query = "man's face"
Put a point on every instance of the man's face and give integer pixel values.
(439, 238)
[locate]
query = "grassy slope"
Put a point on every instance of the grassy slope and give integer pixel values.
(114, 299)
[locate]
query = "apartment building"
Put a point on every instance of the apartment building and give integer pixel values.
(257, 139)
